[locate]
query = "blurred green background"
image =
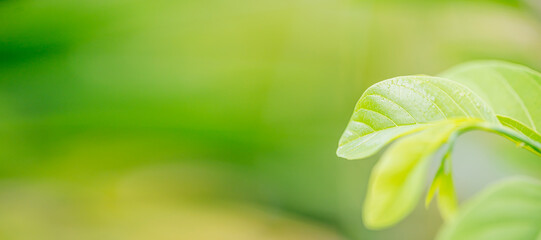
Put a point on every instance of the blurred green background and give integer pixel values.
(220, 119)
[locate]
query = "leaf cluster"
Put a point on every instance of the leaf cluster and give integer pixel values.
(424, 113)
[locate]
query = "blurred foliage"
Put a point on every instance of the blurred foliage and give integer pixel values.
(515, 201)
(259, 90)
(162, 202)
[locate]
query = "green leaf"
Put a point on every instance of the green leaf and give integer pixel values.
(447, 203)
(513, 124)
(443, 181)
(511, 90)
(430, 110)
(508, 210)
(398, 179)
(403, 105)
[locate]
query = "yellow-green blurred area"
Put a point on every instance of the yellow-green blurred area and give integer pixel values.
(218, 119)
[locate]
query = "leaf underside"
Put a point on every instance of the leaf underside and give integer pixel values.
(398, 179)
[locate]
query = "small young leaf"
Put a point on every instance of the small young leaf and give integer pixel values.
(508, 210)
(403, 105)
(513, 124)
(398, 179)
(447, 202)
(443, 182)
(432, 189)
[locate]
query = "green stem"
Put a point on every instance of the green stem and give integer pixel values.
(446, 167)
(504, 131)
(448, 203)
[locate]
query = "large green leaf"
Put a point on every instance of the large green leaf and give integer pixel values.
(398, 179)
(402, 105)
(511, 90)
(509, 210)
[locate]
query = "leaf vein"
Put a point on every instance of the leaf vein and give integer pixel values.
(424, 96)
(519, 99)
(452, 99)
(394, 102)
(370, 110)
